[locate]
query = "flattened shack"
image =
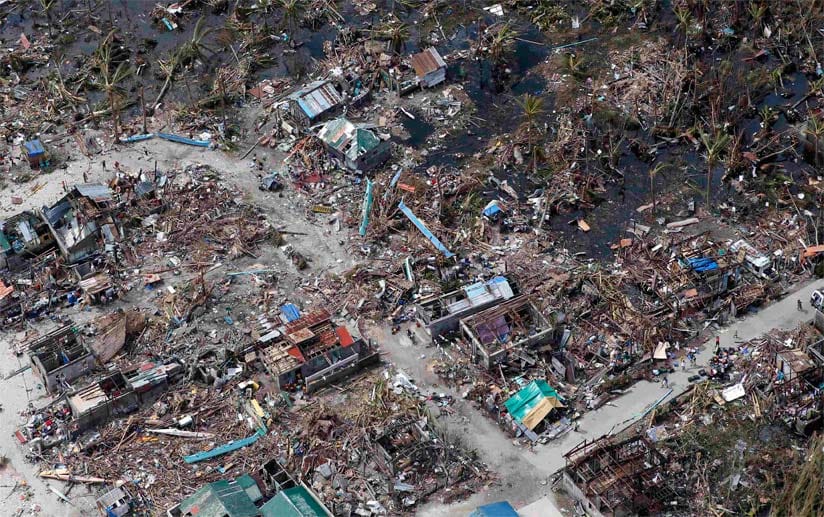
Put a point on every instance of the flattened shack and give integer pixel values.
(355, 146)
(312, 102)
(429, 67)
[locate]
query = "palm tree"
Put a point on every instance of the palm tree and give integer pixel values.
(168, 67)
(714, 147)
(757, 12)
(195, 47)
(532, 107)
(815, 132)
(110, 82)
(46, 6)
(292, 14)
(397, 34)
(653, 172)
(684, 17)
(502, 42)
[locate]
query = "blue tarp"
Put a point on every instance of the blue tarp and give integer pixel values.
(425, 231)
(703, 264)
(183, 140)
(291, 312)
(499, 509)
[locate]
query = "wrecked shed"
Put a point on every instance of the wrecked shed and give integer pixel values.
(355, 146)
(430, 68)
(312, 102)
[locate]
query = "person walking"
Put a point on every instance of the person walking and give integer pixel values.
(800, 305)
(665, 381)
(717, 345)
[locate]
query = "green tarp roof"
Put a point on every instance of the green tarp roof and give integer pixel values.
(522, 403)
(293, 502)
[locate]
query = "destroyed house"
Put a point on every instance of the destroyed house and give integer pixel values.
(356, 147)
(759, 264)
(796, 365)
(430, 68)
(314, 101)
(59, 356)
(617, 477)
(442, 314)
(23, 236)
(120, 393)
(153, 378)
(509, 328)
(312, 351)
(80, 220)
(107, 398)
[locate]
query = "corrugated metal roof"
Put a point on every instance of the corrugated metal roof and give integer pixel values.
(94, 191)
(427, 61)
(316, 98)
(337, 133)
(346, 137)
(56, 213)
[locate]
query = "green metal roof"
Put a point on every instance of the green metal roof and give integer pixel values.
(4, 243)
(294, 502)
(220, 499)
(523, 402)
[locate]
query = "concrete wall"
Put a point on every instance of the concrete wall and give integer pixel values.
(320, 380)
(572, 489)
(451, 322)
(122, 405)
(71, 371)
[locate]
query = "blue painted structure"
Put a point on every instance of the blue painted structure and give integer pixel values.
(224, 449)
(425, 231)
(183, 140)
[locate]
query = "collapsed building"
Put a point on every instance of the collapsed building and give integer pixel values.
(59, 357)
(310, 351)
(441, 314)
(614, 477)
(23, 237)
(81, 220)
(509, 328)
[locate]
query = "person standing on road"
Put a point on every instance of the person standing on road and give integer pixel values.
(717, 345)
(800, 305)
(665, 381)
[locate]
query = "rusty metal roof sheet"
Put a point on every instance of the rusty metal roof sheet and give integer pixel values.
(427, 61)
